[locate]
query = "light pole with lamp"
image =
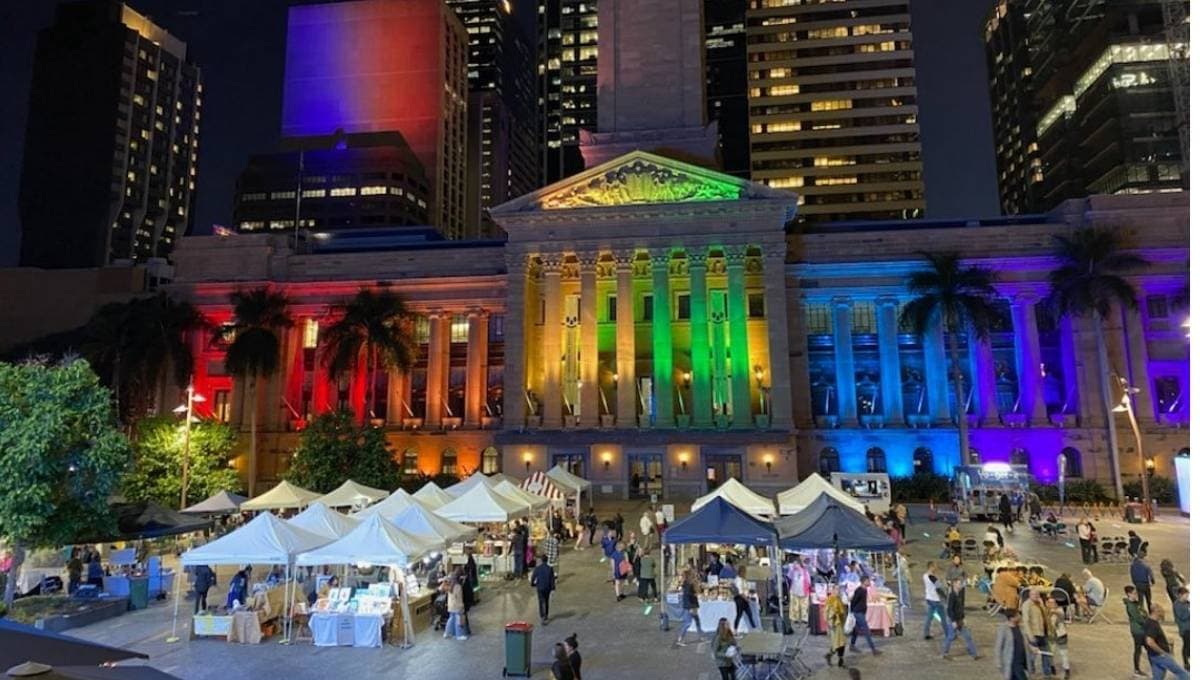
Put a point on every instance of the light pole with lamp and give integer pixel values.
(1126, 406)
(186, 410)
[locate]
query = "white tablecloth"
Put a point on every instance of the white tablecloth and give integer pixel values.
(333, 629)
(31, 576)
(711, 612)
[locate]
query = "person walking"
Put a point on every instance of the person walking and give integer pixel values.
(956, 568)
(1137, 627)
(454, 606)
(1183, 619)
(1006, 512)
(550, 550)
(1142, 577)
(724, 649)
(691, 607)
(1159, 648)
(1058, 641)
(590, 521)
(1035, 506)
(858, 609)
(74, 572)
(561, 668)
(1035, 626)
(1085, 539)
(933, 599)
(205, 579)
(1012, 652)
(542, 579)
(835, 622)
(956, 612)
(1172, 579)
(646, 525)
(741, 599)
(572, 645)
(647, 577)
(902, 520)
(621, 568)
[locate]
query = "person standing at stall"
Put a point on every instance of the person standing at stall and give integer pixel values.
(741, 599)
(542, 580)
(204, 580)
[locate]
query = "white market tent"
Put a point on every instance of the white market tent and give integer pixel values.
(482, 504)
(432, 496)
(399, 500)
(737, 494)
(285, 495)
(540, 484)
(535, 502)
(220, 503)
(352, 494)
(421, 521)
(320, 520)
(803, 494)
(470, 483)
(570, 484)
(498, 477)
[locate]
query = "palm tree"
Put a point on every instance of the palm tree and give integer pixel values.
(374, 324)
(1088, 282)
(959, 298)
(253, 353)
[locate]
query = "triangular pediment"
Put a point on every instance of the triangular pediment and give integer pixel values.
(640, 178)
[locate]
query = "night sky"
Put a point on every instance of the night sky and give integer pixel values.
(239, 46)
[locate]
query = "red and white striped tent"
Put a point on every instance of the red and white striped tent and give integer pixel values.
(538, 483)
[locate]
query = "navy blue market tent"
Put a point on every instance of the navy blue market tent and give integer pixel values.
(719, 521)
(829, 523)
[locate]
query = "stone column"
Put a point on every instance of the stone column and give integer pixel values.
(983, 364)
(275, 414)
(552, 342)
(1029, 358)
(589, 395)
(775, 300)
(626, 366)
(476, 365)
(398, 389)
(434, 378)
(702, 411)
(843, 362)
(1143, 401)
(1072, 389)
(514, 341)
(664, 388)
(936, 373)
(1083, 344)
(798, 340)
(739, 341)
(887, 331)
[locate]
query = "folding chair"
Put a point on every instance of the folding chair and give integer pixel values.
(970, 546)
(1106, 550)
(1098, 610)
(743, 671)
(1121, 552)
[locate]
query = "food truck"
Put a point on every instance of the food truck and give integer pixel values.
(872, 489)
(977, 488)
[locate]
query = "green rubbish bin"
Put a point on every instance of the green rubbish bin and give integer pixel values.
(518, 647)
(139, 593)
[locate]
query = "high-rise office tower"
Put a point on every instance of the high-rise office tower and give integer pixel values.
(1014, 115)
(1105, 98)
(833, 107)
(386, 66)
(725, 82)
(109, 171)
(502, 133)
(567, 47)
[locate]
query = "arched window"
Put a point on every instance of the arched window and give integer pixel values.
(1074, 462)
(408, 463)
(1019, 456)
(876, 460)
(449, 462)
(490, 462)
(829, 461)
(922, 460)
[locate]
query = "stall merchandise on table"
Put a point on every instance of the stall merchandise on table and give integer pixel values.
(248, 622)
(881, 605)
(716, 602)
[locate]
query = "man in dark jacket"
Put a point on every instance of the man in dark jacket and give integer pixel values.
(204, 580)
(1137, 622)
(542, 580)
(572, 644)
(858, 609)
(956, 612)
(1142, 577)
(590, 522)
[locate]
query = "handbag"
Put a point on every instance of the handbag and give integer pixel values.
(624, 567)
(850, 625)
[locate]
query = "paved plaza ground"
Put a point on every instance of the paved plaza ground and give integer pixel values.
(620, 641)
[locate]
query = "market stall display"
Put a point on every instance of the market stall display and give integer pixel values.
(481, 504)
(394, 503)
(716, 523)
(359, 618)
(323, 521)
(220, 503)
(351, 494)
(800, 496)
(432, 496)
(283, 496)
(736, 493)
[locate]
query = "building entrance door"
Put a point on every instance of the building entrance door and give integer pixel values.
(645, 474)
(575, 463)
(720, 468)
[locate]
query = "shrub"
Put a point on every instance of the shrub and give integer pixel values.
(1162, 489)
(1077, 491)
(923, 486)
(413, 484)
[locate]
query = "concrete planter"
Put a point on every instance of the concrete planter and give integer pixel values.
(606, 420)
(97, 611)
(917, 420)
(1015, 420)
(644, 420)
(412, 423)
(871, 421)
(451, 423)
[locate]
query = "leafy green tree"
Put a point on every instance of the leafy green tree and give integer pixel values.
(158, 461)
(61, 453)
(1089, 282)
(333, 448)
(373, 325)
(259, 316)
(957, 298)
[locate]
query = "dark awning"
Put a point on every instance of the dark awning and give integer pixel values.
(148, 519)
(828, 523)
(719, 521)
(20, 643)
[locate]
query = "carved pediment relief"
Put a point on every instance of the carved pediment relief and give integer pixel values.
(640, 181)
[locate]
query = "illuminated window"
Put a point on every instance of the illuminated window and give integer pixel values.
(409, 466)
(313, 193)
(342, 191)
(785, 126)
(449, 462)
(876, 460)
(490, 461)
(279, 195)
(834, 32)
(834, 181)
(372, 191)
(832, 104)
(785, 182)
(421, 330)
(221, 409)
(312, 331)
(832, 161)
(459, 328)
(783, 90)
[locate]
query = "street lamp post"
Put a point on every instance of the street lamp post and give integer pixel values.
(186, 409)
(1126, 407)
